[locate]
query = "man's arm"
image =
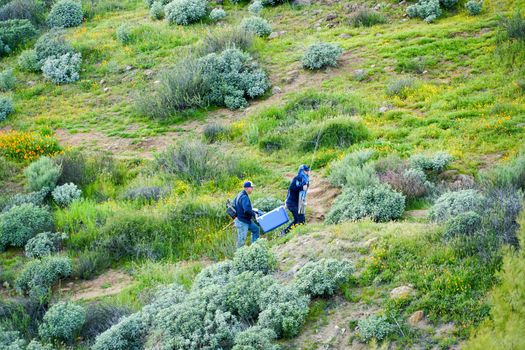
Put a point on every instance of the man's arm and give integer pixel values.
(247, 206)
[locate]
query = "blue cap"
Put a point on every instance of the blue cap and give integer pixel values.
(248, 184)
(305, 167)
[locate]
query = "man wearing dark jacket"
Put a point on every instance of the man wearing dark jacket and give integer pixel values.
(298, 184)
(245, 214)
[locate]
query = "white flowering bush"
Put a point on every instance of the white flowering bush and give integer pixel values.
(255, 338)
(451, 204)
(436, 162)
(38, 276)
(474, 7)
(6, 107)
(41, 173)
(65, 194)
(428, 10)
(62, 322)
(156, 11)
(232, 76)
(256, 257)
(321, 55)
(21, 223)
(65, 14)
(377, 202)
(255, 7)
(43, 244)
(184, 12)
(28, 61)
(64, 69)
(217, 14)
(374, 327)
(284, 310)
(323, 277)
(256, 25)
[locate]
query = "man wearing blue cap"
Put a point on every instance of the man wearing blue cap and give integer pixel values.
(296, 197)
(245, 214)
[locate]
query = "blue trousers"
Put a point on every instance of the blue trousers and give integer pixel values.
(242, 231)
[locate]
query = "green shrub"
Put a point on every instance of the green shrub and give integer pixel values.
(378, 202)
(508, 175)
(448, 4)
(513, 27)
(38, 276)
(28, 61)
(100, 316)
(7, 80)
(323, 277)
(34, 345)
(272, 142)
(64, 69)
(284, 310)
(30, 10)
(352, 171)
(217, 14)
(21, 223)
(428, 10)
(6, 107)
(321, 55)
(52, 44)
(464, 224)
(216, 132)
(76, 168)
(341, 132)
(42, 173)
(36, 198)
(256, 258)
(412, 183)
(127, 334)
(65, 194)
(124, 34)
(156, 12)
(255, 338)
(43, 244)
(474, 7)
(500, 213)
(15, 32)
(374, 327)
(147, 194)
(366, 17)
(256, 25)
(217, 274)
(255, 7)
(400, 87)
(271, 2)
(220, 40)
(11, 340)
(65, 14)
(62, 322)
(435, 163)
(184, 12)
(451, 204)
(267, 204)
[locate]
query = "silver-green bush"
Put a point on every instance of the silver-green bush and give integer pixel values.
(255, 338)
(255, 7)
(64, 69)
(65, 194)
(62, 322)
(65, 14)
(21, 223)
(42, 173)
(267, 204)
(463, 225)
(11, 340)
(217, 14)
(38, 276)
(184, 12)
(36, 198)
(220, 273)
(52, 44)
(156, 11)
(451, 204)
(124, 33)
(353, 171)
(28, 61)
(474, 7)
(256, 257)
(128, 334)
(323, 277)
(256, 25)
(436, 162)
(374, 327)
(35, 345)
(428, 10)
(43, 244)
(7, 80)
(6, 107)
(321, 55)
(378, 202)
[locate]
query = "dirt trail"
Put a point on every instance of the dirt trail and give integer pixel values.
(109, 283)
(321, 195)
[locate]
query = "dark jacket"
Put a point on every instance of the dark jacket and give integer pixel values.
(296, 186)
(243, 206)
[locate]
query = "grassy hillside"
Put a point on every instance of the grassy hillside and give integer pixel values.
(414, 137)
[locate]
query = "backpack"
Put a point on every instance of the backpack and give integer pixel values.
(230, 209)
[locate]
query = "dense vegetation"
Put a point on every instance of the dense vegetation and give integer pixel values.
(125, 125)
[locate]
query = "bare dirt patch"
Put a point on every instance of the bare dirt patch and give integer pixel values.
(109, 283)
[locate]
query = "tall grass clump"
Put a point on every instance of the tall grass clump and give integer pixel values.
(340, 132)
(219, 40)
(510, 39)
(366, 17)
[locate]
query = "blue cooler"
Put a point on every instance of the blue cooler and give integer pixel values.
(273, 219)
